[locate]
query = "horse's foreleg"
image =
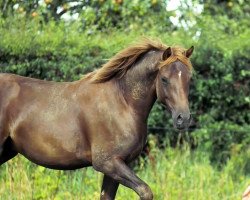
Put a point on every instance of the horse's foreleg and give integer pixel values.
(120, 172)
(109, 188)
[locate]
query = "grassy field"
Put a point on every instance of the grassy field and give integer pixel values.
(171, 173)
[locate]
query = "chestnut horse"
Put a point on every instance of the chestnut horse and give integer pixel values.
(99, 120)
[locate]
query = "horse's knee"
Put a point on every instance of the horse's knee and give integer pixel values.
(145, 192)
(103, 166)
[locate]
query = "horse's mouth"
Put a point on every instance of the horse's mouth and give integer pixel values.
(181, 128)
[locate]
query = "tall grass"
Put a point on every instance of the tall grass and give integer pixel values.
(174, 174)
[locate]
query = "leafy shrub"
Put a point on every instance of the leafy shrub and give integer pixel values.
(223, 140)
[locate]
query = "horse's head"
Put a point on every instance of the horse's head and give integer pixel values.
(172, 84)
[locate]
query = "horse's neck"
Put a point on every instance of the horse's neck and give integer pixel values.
(139, 84)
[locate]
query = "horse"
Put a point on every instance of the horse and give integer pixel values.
(99, 120)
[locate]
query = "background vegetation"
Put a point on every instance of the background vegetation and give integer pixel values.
(62, 40)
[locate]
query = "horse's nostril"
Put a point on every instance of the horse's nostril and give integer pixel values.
(179, 119)
(179, 116)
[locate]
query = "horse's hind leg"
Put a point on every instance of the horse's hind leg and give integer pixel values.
(6, 151)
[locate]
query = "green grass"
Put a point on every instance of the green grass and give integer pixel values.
(171, 173)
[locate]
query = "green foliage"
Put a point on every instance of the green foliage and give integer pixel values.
(93, 15)
(221, 84)
(236, 10)
(223, 140)
(124, 14)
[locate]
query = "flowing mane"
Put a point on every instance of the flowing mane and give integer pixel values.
(122, 61)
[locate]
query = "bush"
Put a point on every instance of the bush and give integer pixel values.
(222, 140)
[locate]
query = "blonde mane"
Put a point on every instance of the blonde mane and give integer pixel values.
(122, 61)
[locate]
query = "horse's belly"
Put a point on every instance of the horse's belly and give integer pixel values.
(58, 163)
(57, 147)
(55, 155)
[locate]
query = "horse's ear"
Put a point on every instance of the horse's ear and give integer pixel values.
(189, 51)
(167, 53)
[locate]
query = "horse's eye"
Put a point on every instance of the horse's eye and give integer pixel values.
(165, 80)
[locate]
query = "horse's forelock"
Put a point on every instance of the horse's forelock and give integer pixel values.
(178, 53)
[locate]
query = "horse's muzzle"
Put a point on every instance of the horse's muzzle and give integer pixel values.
(182, 121)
